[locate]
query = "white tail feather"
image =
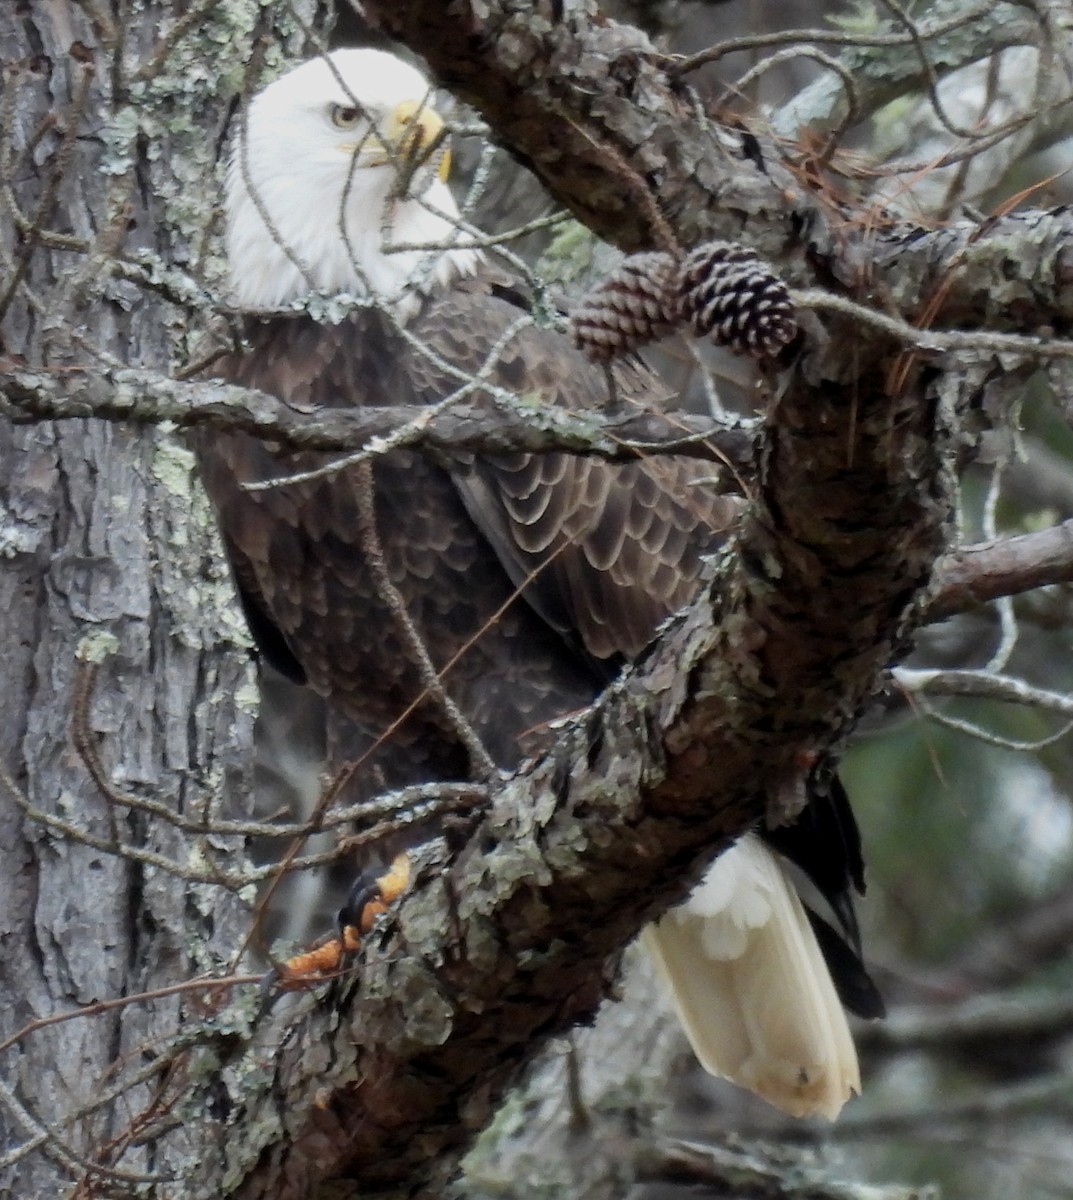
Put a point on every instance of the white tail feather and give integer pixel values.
(751, 986)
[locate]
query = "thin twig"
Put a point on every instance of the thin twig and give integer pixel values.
(431, 676)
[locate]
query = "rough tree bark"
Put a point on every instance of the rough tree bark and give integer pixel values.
(510, 933)
(118, 626)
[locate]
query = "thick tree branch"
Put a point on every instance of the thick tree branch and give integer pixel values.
(509, 937)
(601, 118)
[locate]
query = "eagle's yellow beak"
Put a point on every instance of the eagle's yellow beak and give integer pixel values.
(416, 131)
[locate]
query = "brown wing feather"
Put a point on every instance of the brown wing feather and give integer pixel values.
(604, 551)
(297, 554)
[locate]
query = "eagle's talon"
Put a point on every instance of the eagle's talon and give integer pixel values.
(366, 902)
(320, 963)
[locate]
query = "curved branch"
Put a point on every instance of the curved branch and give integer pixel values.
(603, 121)
(994, 1019)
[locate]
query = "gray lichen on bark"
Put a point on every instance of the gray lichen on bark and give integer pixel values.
(106, 545)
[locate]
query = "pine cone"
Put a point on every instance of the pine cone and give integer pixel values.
(636, 304)
(726, 292)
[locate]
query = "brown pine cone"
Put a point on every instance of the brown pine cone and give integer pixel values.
(636, 304)
(727, 293)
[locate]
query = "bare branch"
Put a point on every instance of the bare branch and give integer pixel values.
(973, 575)
(984, 685)
(1048, 1094)
(148, 398)
(995, 1018)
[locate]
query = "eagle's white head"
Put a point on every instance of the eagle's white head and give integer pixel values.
(326, 177)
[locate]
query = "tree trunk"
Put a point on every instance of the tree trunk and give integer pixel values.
(119, 630)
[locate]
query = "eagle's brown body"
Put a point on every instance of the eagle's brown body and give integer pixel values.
(528, 577)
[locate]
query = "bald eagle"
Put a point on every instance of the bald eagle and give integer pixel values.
(451, 608)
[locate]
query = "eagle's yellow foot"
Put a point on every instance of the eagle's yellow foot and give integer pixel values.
(321, 962)
(365, 903)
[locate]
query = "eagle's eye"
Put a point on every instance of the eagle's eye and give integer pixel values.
(345, 116)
